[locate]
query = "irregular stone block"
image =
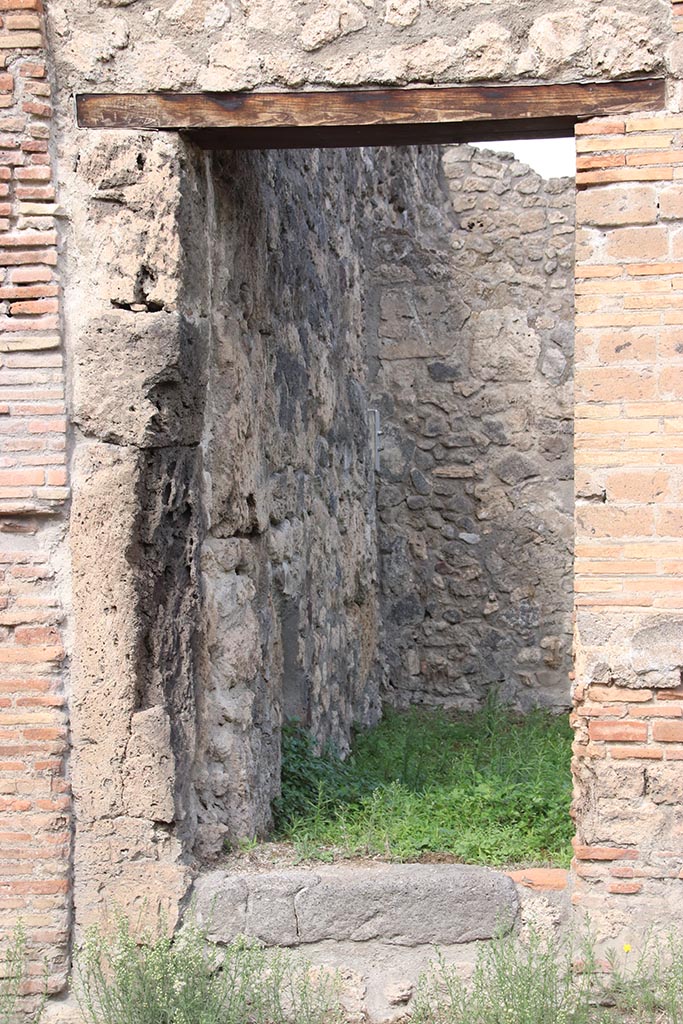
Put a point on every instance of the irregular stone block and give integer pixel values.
(401, 904)
(271, 914)
(221, 905)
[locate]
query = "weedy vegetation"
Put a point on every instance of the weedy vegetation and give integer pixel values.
(14, 973)
(540, 982)
(122, 978)
(127, 979)
(487, 788)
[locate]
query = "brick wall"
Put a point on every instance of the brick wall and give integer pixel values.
(34, 803)
(629, 520)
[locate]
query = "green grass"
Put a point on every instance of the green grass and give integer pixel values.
(488, 788)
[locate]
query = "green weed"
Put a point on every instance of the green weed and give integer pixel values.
(488, 788)
(310, 781)
(14, 965)
(512, 983)
(126, 979)
(539, 982)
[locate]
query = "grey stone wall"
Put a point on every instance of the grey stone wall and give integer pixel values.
(470, 337)
(289, 560)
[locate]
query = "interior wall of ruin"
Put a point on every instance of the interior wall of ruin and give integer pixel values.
(470, 342)
(289, 560)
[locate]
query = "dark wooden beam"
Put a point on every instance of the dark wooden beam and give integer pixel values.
(337, 136)
(366, 117)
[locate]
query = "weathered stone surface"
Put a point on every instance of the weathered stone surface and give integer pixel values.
(139, 346)
(631, 650)
(404, 905)
(159, 399)
(354, 42)
(289, 562)
(471, 371)
(407, 904)
(402, 13)
(332, 21)
(149, 768)
(132, 711)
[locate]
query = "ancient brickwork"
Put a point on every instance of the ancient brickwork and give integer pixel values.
(34, 801)
(471, 344)
(629, 520)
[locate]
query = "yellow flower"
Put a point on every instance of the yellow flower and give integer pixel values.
(627, 947)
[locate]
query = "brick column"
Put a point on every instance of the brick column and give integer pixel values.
(34, 805)
(629, 522)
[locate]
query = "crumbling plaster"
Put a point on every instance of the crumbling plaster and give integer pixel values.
(143, 45)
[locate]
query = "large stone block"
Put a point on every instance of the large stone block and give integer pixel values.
(139, 379)
(404, 905)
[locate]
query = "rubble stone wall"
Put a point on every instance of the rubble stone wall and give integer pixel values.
(290, 559)
(229, 45)
(470, 312)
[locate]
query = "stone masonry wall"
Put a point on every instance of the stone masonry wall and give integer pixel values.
(138, 206)
(141, 45)
(34, 802)
(471, 344)
(289, 561)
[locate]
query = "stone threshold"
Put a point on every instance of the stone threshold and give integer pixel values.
(397, 904)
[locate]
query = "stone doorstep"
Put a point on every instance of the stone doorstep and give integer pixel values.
(399, 904)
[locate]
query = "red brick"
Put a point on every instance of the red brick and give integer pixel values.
(540, 879)
(28, 239)
(34, 307)
(22, 21)
(13, 259)
(21, 477)
(31, 274)
(33, 173)
(38, 291)
(638, 753)
(618, 693)
(602, 126)
(604, 852)
(32, 69)
(668, 731)
(624, 888)
(622, 731)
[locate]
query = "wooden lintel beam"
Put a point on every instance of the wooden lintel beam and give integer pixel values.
(353, 117)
